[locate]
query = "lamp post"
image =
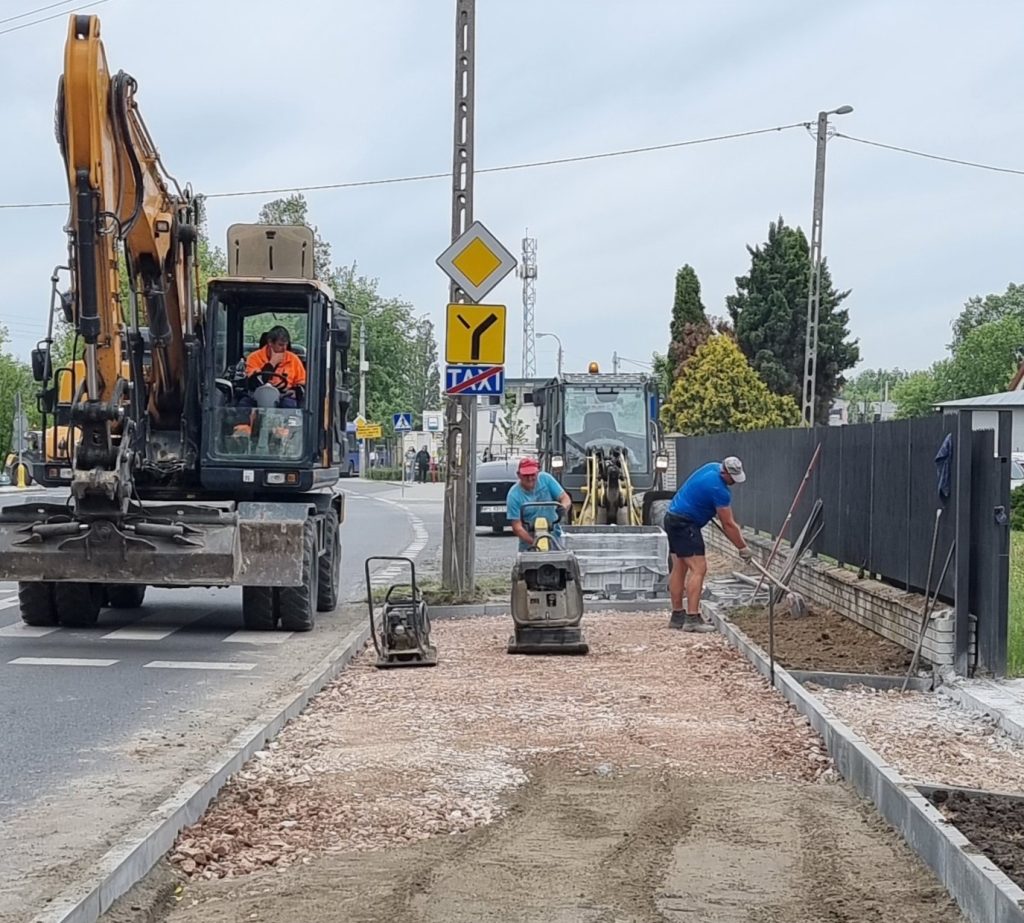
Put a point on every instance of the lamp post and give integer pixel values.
(814, 283)
(555, 336)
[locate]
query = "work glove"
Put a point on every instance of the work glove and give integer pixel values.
(746, 554)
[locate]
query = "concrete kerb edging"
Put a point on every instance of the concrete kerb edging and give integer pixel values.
(502, 608)
(963, 696)
(983, 892)
(138, 852)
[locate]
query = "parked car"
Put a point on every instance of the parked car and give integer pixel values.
(1016, 474)
(493, 480)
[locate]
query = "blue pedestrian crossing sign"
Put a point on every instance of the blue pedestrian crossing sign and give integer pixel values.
(402, 422)
(475, 379)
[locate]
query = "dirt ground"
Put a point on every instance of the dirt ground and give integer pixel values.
(992, 823)
(824, 640)
(657, 778)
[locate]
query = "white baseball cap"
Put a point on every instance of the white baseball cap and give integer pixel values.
(734, 468)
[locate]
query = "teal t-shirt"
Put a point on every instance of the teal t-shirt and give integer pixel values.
(547, 489)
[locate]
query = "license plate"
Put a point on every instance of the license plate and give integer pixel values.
(492, 509)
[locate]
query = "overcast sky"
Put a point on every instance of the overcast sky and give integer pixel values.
(252, 94)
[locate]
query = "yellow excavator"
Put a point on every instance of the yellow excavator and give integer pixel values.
(188, 463)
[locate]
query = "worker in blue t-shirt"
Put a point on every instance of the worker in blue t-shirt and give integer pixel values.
(704, 496)
(535, 486)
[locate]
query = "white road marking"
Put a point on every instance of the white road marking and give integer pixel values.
(21, 630)
(9, 601)
(198, 665)
(258, 637)
(138, 630)
(62, 662)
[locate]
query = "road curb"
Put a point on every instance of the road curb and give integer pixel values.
(983, 892)
(130, 860)
(470, 610)
(961, 693)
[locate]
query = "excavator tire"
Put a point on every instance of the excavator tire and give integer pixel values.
(37, 605)
(125, 595)
(296, 605)
(78, 604)
(259, 608)
(329, 565)
(657, 515)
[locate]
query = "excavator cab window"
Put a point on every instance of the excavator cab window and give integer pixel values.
(262, 408)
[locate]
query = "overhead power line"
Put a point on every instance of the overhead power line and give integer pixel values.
(907, 150)
(558, 161)
(38, 9)
(418, 177)
(35, 22)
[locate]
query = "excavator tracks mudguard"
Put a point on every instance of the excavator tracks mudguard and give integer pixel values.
(162, 544)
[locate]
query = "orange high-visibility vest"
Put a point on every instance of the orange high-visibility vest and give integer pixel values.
(290, 368)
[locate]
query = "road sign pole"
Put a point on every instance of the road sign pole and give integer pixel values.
(363, 473)
(458, 556)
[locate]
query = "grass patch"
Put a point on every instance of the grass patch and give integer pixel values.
(1015, 643)
(487, 589)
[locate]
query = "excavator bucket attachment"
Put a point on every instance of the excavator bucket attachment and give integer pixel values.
(172, 545)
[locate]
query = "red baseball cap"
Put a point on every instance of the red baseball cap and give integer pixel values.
(528, 466)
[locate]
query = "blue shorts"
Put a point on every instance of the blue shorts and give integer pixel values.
(685, 539)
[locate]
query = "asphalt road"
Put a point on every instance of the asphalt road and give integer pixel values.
(100, 725)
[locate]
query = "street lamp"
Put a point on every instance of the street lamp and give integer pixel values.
(814, 283)
(555, 337)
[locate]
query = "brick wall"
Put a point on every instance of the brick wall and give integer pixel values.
(890, 612)
(671, 481)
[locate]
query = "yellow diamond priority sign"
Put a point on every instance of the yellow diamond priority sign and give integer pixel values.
(476, 262)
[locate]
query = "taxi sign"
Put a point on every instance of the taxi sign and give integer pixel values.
(475, 334)
(476, 261)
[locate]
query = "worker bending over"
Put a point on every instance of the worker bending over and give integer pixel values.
(704, 495)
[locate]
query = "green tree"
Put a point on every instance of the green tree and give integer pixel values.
(867, 387)
(978, 311)
(719, 392)
(687, 308)
(424, 373)
(986, 359)
(15, 378)
(919, 392)
(769, 315)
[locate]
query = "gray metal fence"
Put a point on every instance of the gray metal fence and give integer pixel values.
(878, 483)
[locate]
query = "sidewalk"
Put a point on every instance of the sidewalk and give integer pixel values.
(1002, 700)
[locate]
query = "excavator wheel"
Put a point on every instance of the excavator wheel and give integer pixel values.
(125, 595)
(296, 605)
(78, 604)
(329, 565)
(259, 608)
(37, 604)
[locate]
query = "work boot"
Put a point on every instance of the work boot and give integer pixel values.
(678, 619)
(696, 623)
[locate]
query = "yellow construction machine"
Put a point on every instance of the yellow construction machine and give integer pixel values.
(186, 466)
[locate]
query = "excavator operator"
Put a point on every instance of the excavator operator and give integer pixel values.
(275, 364)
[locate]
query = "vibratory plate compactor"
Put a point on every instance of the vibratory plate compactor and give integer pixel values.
(547, 598)
(402, 636)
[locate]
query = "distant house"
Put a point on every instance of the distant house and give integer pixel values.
(843, 412)
(986, 413)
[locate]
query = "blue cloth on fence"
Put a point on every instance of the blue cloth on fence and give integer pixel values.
(944, 464)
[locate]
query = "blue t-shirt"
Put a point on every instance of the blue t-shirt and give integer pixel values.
(547, 489)
(702, 494)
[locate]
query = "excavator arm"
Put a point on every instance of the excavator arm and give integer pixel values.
(122, 207)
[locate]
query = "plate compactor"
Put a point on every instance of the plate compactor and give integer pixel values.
(402, 636)
(547, 597)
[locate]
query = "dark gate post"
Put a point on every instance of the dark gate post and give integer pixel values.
(962, 573)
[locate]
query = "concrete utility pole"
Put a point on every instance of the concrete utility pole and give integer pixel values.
(528, 272)
(364, 367)
(458, 564)
(814, 284)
